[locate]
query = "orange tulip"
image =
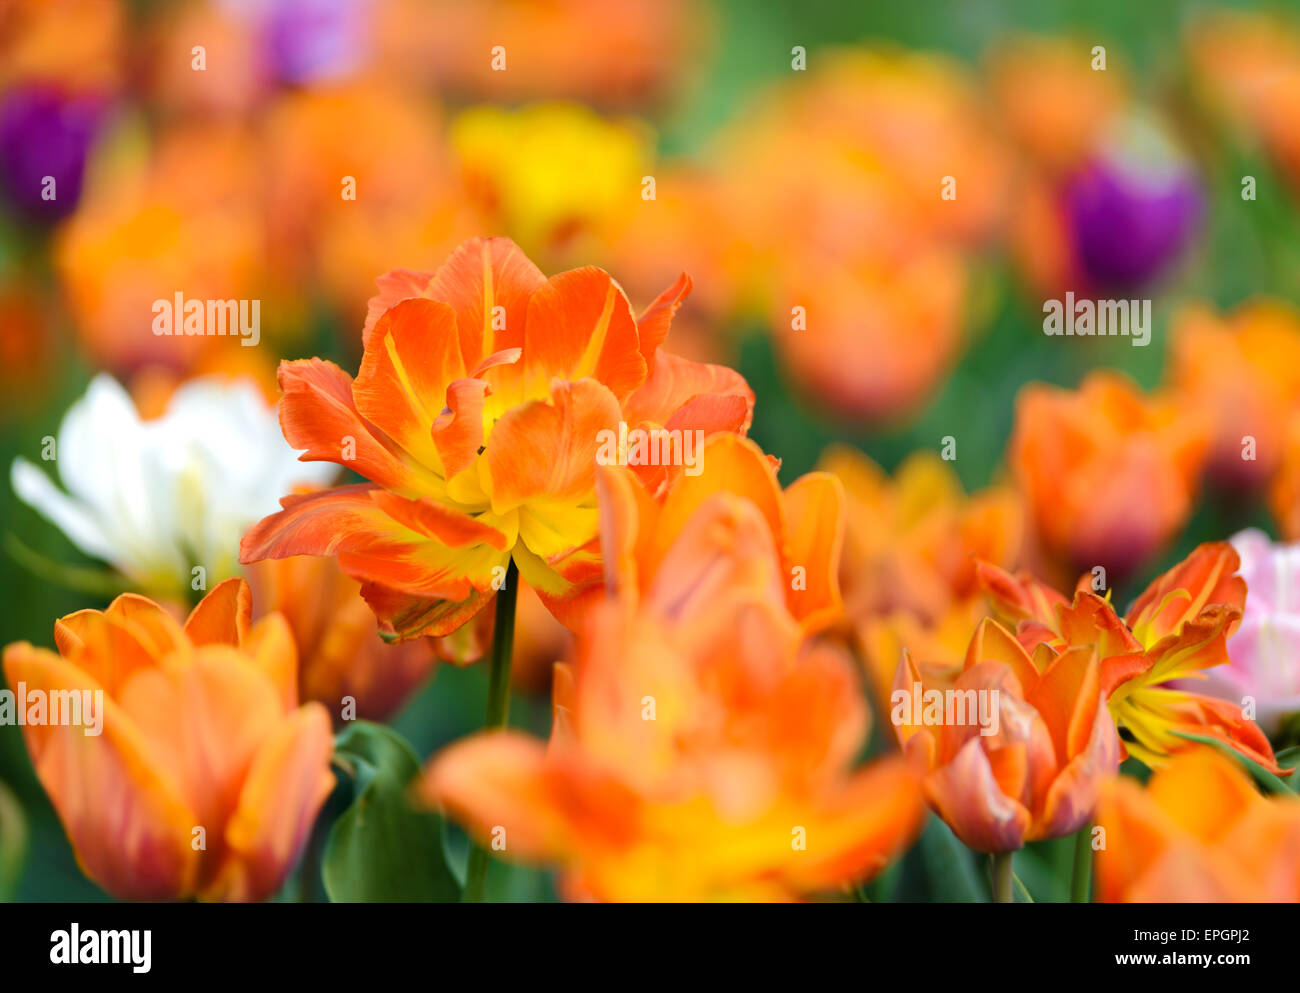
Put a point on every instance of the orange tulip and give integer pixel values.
(404, 204)
(485, 396)
(877, 140)
(642, 537)
(1244, 370)
(910, 552)
(1284, 492)
(1198, 833)
(183, 218)
(206, 776)
(1050, 99)
(1246, 67)
(548, 46)
(1177, 628)
(1024, 757)
(1108, 475)
(340, 653)
(703, 748)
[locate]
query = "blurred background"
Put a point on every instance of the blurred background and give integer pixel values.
(873, 200)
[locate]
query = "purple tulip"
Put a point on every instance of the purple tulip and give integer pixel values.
(1132, 210)
(45, 132)
(311, 41)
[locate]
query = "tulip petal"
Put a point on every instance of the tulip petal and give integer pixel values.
(318, 415)
(1206, 577)
(580, 324)
(394, 287)
(204, 721)
(412, 356)
(674, 382)
(109, 649)
(653, 324)
(403, 616)
(480, 276)
(458, 430)
(287, 783)
(499, 780)
(814, 538)
(125, 814)
(547, 449)
(223, 617)
(966, 795)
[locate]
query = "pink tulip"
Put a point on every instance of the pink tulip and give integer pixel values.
(1265, 650)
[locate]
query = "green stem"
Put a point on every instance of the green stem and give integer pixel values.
(1081, 880)
(1001, 868)
(498, 711)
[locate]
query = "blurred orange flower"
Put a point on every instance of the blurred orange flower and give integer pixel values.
(1108, 475)
(180, 218)
(1051, 101)
(1246, 66)
(642, 537)
(879, 140)
(1284, 493)
(37, 44)
(545, 49)
(205, 776)
(703, 748)
(1198, 833)
(1022, 761)
(1177, 628)
(912, 542)
(1243, 370)
(340, 653)
(534, 374)
(358, 175)
(687, 226)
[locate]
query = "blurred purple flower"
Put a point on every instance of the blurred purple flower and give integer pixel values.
(1132, 209)
(310, 41)
(46, 132)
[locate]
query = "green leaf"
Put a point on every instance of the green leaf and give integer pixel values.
(13, 843)
(949, 866)
(1266, 780)
(1288, 758)
(80, 579)
(1022, 892)
(382, 848)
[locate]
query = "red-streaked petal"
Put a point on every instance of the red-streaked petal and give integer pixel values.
(321, 523)
(317, 414)
(403, 616)
(1208, 576)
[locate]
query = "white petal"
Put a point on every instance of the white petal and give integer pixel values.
(38, 491)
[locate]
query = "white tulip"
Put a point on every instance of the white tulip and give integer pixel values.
(156, 499)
